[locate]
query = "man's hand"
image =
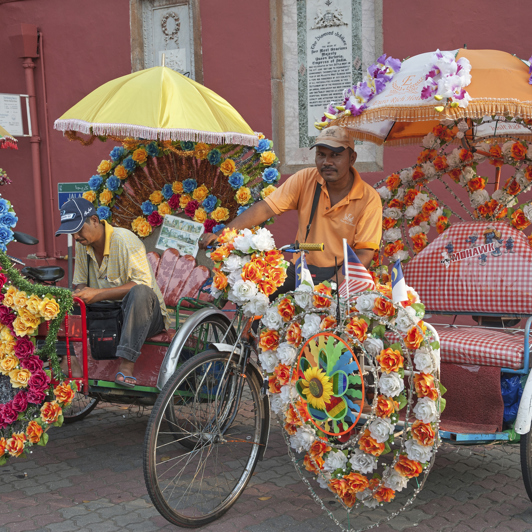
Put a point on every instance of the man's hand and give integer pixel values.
(89, 295)
(207, 239)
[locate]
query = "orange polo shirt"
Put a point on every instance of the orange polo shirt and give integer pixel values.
(357, 217)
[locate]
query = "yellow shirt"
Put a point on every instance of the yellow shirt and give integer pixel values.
(357, 217)
(124, 260)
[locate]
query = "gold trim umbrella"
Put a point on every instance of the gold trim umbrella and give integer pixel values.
(7, 140)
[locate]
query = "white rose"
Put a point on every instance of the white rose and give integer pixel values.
(426, 410)
(411, 211)
(288, 394)
(400, 255)
(232, 263)
(467, 174)
(395, 481)
(454, 158)
(428, 169)
(497, 195)
(406, 317)
(507, 148)
(268, 361)
(323, 480)
(234, 276)
(244, 291)
(411, 291)
(286, 353)
(429, 141)
(367, 499)
(263, 240)
(384, 193)
(484, 146)
(391, 384)
(417, 452)
(508, 200)
(400, 194)
(303, 296)
(311, 325)
(424, 360)
(272, 319)
(420, 200)
(373, 346)
(381, 429)
(244, 242)
(529, 151)
(335, 460)
(276, 403)
(302, 439)
(435, 215)
(413, 231)
(391, 235)
(393, 213)
(365, 302)
(527, 211)
(363, 462)
(406, 176)
(520, 177)
(257, 305)
(479, 197)
(215, 292)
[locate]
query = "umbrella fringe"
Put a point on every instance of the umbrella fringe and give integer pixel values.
(149, 133)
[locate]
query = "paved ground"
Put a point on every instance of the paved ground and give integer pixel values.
(89, 478)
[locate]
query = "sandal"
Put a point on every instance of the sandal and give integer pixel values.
(124, 382)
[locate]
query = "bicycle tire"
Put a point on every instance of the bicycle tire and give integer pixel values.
(226, 464)
(80, 408)
(526, 461)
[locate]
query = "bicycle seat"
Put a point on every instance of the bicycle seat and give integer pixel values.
(23, 238)
(44, 274)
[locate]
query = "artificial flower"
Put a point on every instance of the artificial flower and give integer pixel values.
(34, 432)
(156, 197)
(390, 360)
(106, 196)
(200, 193)
(140, 155)
(89, 195)
(177, 187)
(357, 327)
(228, 167)
(104, 167)
(267, 158)
(50, 412)
(220, 214)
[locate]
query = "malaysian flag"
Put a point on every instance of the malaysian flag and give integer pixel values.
(357, 278)
(302, 271)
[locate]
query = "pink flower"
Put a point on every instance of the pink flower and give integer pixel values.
(7, 317)
(155, 219)
(3, 280)
(20, 402)
(33, 364)
(191, 207)
(39, 381)
(173, 202)
(8, 415)
(36, 396)
(24, 348)
(209, 224)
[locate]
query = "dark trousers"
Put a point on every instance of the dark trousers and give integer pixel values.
(142, 318)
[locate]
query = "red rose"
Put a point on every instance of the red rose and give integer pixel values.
(24, 348)
(7, 317)
(39, 381)
(36, 397)
(20, 402)
(209, 225)
(8, 414)
(191, 208)
(3, 280)
(33, 364)
(173, 202)
(155, 219)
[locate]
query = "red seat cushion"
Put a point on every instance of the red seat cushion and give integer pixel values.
(481, 347)
(182, 270)
(163, 337)
(166, 269)
(154, 259)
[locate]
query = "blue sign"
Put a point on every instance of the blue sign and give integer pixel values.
(67, 191)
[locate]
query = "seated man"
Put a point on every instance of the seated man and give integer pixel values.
(111, 264)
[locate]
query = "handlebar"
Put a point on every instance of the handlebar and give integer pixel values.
(297, 247)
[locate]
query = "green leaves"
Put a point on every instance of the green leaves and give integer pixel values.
(379, 331)
(44, 440)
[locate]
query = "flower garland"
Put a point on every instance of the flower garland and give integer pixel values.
(241, 177)
(405, 205)
(34, 404)
(357, 97)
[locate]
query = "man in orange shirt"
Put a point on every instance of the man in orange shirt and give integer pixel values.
(347, 208)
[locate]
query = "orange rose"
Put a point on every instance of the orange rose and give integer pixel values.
(292, 429)
(424, 384)
(282, 372)
(291, 416)
(156, 197)
(420, 241)
(277, 276)
(440, 163)
(267, 287)
(528, 173)
(313, 464)
(220, 253)
(228, 167)
(388, 223)
(319, 448)
(106, 197)
(302, 409)
(414, 338)
(251, 272)
(274, 385)
(426, 155)
(386, 406)
(104, 167)
(120, 172)
(357, 482)
(518, 151)
(443, 132)
(269, 339)
(477, 183)
(393, 248)
(408, 468)
(329, 322)
(442, 224)
(482, 211)
(465, 155)
(496, 153)
(369, 445)
(322, 302)
(395, 204)
(267, 158)
(64, 393)
(200, 193)
(293, 334)
(34, 432)
(50, 412)
(519, 220)
(514, 188)
(393, 181)
(339, 486)
(423, 433)
(383, 307)
(220, 280)
(410, 196)
(429, 206)
(418, 174)
(140, 155)
(358, 328)
(201, 150)
(384, 494)
(455, 174)
(390, 360)
(15, 444)
(286, 309)
(273, 257)
(3, 446)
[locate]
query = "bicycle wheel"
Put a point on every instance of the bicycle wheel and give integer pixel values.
(80, 408)
(526, 461)
(192, 487)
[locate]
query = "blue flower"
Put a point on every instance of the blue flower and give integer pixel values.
(167, 191)
(264, 145)
(217, 228)
(4, 206)
(113, 183)
(187, 145)
(236, 180)
(8, 219)
(129, 164)
(147, 207)
(117, 153)
(270, 175)
(241, 209)
(103, 212)
(6, 235)
(95, 182)
(189, 185)
(152, 149)
(209, 203)
(214, 157)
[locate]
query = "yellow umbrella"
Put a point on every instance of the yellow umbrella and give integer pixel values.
(158, 104)
(7, 140)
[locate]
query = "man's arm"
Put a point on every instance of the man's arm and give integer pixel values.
(93, 295)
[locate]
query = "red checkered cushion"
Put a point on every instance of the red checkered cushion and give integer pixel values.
(493, 282)
(481, 347)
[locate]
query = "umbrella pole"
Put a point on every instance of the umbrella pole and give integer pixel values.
(497, 177)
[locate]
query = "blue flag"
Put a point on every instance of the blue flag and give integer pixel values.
(398, 284)
(302, 271)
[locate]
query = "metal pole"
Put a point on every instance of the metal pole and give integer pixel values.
(69, 261)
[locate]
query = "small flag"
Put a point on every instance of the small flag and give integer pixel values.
(398, 284)
(302, 271)
(357, 278)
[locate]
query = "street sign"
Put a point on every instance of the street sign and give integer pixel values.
(68, 191)
(11, 114)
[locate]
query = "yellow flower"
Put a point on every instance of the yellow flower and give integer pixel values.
(49, 308)
(156, 197)
(200, 215)
(20, 300)
(8, 363)
(243, 195)
(136, 222)
(129, 143)
(9, 297)
(220, 214)
(21, 328)
(106, 197)
(261, 136)
(120, 172)
(90, 195)
(19, 378)
(164, 209)
(317, 388)
(104, 167)
(267, 158)
(265, 192)
(7, 347)
(140, 155)
(29, 319)
(201, 150)
(33, 304)
(144, 228)
(183, 200)
(228, 167)
(200, 193)
(177, 187)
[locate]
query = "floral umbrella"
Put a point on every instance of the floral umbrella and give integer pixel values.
(7, 140)
(158, 104)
